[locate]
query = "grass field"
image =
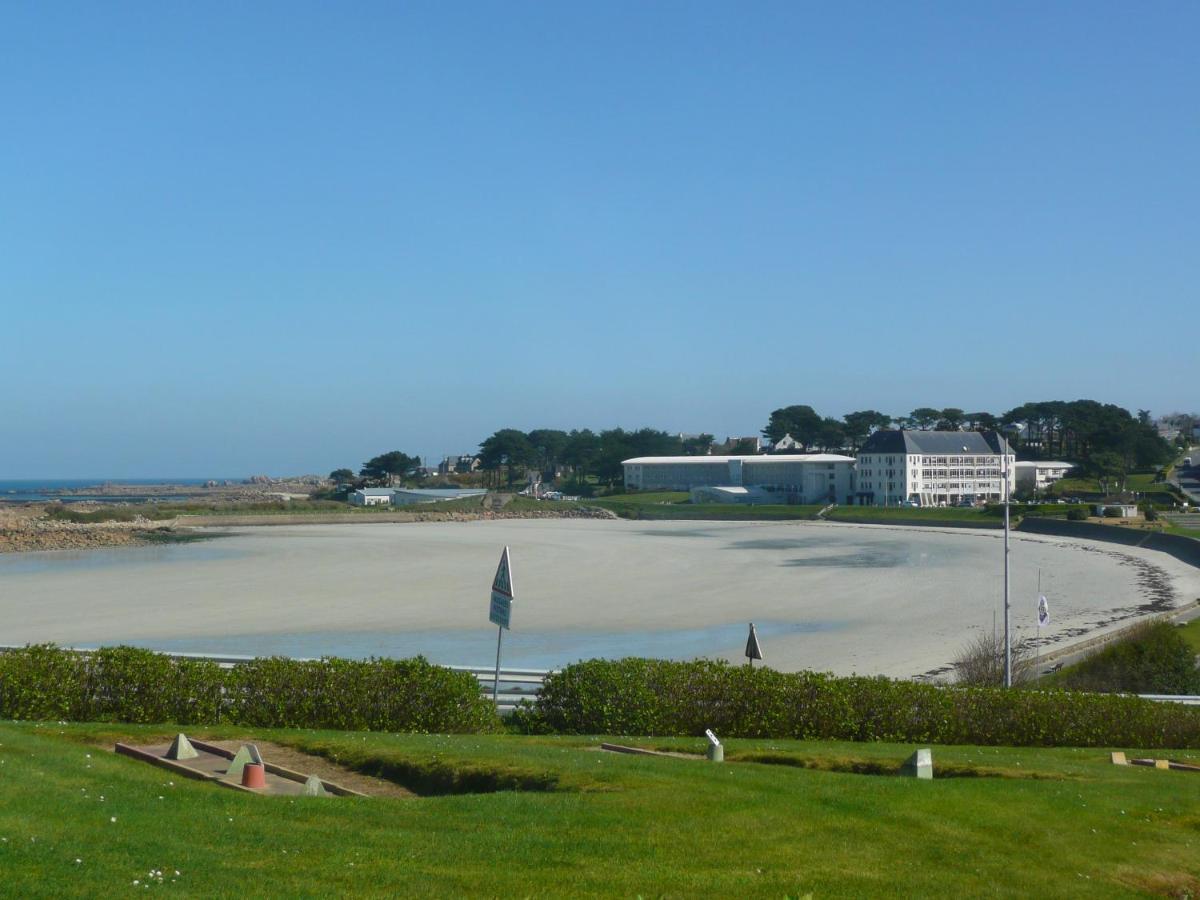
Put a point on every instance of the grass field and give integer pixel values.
(1139, 482)
(1191, 634)
(779, 819)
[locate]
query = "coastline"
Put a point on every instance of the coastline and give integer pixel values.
(872, 599)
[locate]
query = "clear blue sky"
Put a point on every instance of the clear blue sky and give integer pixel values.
(281, 238)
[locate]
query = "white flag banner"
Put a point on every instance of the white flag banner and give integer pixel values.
(1043, 611)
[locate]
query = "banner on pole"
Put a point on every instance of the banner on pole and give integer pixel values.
(500, 612)
(1043, 611)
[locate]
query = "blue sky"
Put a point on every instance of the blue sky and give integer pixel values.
(282, 238)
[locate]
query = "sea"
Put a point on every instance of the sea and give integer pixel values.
(41, 490)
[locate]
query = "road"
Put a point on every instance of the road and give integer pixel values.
(1187, 478)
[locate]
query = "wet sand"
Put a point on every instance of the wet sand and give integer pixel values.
(843, 598)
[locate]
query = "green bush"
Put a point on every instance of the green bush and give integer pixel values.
(128, 684)
(1154, 658)
(657, 697)
(1077, 514)
(1151, 513)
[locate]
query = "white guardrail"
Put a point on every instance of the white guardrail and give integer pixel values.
(515, 684)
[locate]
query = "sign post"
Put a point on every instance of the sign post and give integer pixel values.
(753, 650)
(500, 612)
(1043, 619)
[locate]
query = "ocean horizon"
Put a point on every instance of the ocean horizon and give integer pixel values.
(37, 490)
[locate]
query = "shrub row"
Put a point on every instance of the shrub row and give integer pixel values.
(128, 684)
(656, 697)
(1152, 658)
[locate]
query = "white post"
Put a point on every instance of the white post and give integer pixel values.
(496, 682)
(1007, 634)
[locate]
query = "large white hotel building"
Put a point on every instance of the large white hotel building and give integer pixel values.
(932, 468)
(928, 468)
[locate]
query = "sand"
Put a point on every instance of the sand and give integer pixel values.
(843, 598)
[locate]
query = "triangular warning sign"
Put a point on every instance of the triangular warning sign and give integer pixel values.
(753, 650)
(502, 583)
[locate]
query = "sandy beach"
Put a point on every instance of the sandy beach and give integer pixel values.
(843, 598)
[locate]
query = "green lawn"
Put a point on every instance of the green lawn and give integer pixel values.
(1059, 822)
(1139, 482)
(1191, 634)
(914, 515)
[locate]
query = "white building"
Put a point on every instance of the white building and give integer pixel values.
(804, 478)
(1034, 477)
(409, 496)
(371, 497)
(932, 468)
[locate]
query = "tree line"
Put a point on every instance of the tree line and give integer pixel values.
(1103, 438)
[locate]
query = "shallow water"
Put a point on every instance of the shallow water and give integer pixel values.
(829, 597)
(521, 649)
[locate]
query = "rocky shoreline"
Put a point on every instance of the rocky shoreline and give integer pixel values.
(27, 529)
(44, 534)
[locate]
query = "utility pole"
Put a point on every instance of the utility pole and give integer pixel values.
(1007, 633)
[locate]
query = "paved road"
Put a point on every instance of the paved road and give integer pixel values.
(1188, 477)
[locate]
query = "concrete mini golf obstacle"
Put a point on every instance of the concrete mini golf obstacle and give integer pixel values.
(243, 770)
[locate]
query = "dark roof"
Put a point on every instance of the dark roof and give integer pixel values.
(938, 443)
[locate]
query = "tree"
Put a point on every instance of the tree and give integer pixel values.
(341, 476)
(801, 422)
(859, 425)
(548, 444)
(925, 417)
(508, 448)
(951, 419)
(742, 447)
(581, 450)
(982, 421)
(700, 445)
(831, 435)
(1109, 468)
(387, 467)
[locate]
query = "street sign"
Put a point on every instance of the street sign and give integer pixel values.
(500, 612)
(753, 650)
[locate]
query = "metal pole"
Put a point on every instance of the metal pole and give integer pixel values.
(1007, 633)
(496, 683)
(1037, 666)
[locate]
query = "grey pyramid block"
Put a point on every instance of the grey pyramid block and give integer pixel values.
(314, 787)
(919, 765)
(238, 763)
(181, 748)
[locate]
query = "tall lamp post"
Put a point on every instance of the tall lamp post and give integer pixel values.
(1007, 639)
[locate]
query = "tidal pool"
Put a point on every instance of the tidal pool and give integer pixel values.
(842, 598)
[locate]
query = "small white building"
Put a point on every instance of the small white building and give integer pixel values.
(409, 496)
(800, 478)
(371, 497)
(1036, 476)
(932, 468)
(1116, 510)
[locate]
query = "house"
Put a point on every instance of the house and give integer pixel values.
(1037, 475)
(932, 468)
(370, 497)
(786, 444)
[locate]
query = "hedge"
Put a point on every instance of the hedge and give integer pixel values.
(128, 684)
(657, 697)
